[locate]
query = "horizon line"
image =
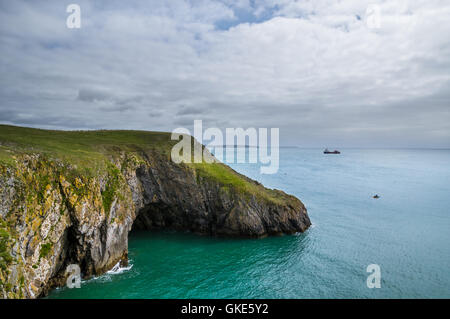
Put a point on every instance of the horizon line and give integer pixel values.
(247, 146)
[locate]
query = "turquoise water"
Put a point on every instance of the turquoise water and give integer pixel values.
(406, 232)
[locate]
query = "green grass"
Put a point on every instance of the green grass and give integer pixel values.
(45, 250)
(90, 150)
(228, 178)
(79, 147)
(5, 257)
(111, 188)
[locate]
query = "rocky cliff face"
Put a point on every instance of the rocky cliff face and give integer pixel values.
(53, 214)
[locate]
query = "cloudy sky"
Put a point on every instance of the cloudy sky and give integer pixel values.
(317, 69)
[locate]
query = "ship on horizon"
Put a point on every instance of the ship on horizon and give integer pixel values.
(327, 151)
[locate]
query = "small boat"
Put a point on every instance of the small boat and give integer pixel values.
(331, 152)
(376, 196)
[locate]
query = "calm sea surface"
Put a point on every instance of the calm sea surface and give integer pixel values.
(406, 232)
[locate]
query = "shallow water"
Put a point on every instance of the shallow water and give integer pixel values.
(406, 232)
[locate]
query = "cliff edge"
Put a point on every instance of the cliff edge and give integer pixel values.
(72, 198)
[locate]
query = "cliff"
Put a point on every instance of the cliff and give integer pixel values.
(72, 198)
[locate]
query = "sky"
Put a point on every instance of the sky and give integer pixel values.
(318, 70)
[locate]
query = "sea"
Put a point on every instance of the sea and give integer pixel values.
(405, 233)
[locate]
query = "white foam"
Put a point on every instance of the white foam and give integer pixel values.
(118, 270)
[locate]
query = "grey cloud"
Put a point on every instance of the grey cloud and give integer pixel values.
(8, 115)
(91, 95)
(308, 67)
(189, 111)
(184, 121)
(155, 114)
(35, 120)
(117, 108)
(115, 103)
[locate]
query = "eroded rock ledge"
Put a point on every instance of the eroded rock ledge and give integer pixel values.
(52, 214)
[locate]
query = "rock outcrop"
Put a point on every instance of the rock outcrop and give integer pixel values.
(54, 213)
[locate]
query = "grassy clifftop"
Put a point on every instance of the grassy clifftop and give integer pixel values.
(80, 147)
(90, 152)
